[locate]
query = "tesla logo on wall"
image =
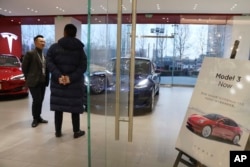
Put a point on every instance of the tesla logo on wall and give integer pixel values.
(10, 37)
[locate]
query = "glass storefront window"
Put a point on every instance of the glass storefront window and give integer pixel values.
(177, 50)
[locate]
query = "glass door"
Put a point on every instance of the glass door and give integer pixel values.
(121, 96)
(124, 131)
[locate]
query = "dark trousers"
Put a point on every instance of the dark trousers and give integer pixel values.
(59, 119)
(37, 94)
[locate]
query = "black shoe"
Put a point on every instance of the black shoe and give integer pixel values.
(43, 121)
(34, 123)
(79, 133)
(58, 134)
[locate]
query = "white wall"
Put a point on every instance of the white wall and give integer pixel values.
(60, 22)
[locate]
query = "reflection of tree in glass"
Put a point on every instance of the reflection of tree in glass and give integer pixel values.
(181, 39)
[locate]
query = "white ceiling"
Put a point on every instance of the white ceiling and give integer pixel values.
(76, 7)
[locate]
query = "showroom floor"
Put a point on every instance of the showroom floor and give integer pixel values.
(153, 144)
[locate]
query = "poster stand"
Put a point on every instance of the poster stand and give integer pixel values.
(189, 161)
(234, 51)
(183, 157)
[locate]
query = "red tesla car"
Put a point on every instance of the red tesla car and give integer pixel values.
(11, 77)
(215, 125)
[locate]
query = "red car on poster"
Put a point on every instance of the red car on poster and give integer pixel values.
(12, 80)
(215, 125)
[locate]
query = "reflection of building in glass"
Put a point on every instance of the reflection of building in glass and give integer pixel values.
(216, 40)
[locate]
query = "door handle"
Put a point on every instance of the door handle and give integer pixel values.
(132, 72)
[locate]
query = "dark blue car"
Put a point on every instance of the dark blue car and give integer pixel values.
(146, 81)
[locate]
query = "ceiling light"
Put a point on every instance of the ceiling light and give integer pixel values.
(124, 8)
(32, 10)
(195, 6)
(60, 9)
(158, 7)
(5, 10)
(103, 8)
(233, 7)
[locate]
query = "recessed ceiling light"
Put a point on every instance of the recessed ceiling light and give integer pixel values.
(32, 10)
(60, 9)
(195, 6)
(103, 8)
(158, 7)
(5, 10)
(234, 6)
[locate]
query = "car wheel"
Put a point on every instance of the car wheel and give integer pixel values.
(98, 84)
(158, 91)
(152, 101)
(206, 131)
(236, 139)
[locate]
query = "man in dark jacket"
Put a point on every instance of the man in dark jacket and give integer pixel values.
(37, 78)
(67, 62)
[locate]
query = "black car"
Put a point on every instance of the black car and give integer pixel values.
(146, 81)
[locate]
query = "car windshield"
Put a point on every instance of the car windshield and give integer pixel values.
(141, 66)
(9, 61)
(213, 116)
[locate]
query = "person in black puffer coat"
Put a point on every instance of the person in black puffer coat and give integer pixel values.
(67, 62)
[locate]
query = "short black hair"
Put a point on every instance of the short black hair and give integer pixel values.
(38, 36)
(70, 30)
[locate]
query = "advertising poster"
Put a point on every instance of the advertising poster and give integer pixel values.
(217, 120)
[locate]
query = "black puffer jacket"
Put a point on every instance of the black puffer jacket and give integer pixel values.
(67, 57)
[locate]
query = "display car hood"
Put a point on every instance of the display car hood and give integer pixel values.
(7, 72)
(125, 80)
(96, 70)
(137, 77)
(98, 73)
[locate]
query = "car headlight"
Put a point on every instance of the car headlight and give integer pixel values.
(201, 121)
(142, 84)
(17, 77)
